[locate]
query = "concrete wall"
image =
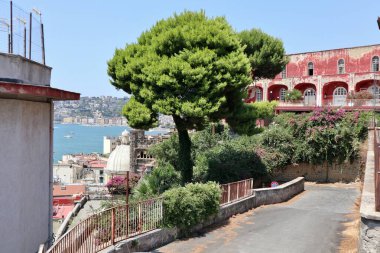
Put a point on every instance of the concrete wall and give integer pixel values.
(345, 172)
(24, 175)
(21, 70)
(369, 241)
(160, 237)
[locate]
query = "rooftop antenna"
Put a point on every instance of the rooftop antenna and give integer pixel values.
(23, 21)
(4, 22)
(38, 12)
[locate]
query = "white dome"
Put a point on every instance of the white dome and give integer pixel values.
(125, 133)
(119, 160)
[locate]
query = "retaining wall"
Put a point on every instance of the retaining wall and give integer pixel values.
(160, 237)
(370, 219)
(345, 172)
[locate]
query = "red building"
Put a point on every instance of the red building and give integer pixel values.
(346, 77)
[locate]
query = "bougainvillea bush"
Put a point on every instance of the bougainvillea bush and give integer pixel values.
(118, 184)
(326, 135)
(322, 136)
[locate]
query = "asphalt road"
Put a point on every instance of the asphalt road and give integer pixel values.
(310, 222)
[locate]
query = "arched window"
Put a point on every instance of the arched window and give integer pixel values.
(339, 96)
(340, 91)
(259, 95)
(310, 69)
(375, 90)
(282, 94)
(309, 96)
(309, 92)
(341, 68)
(375, 63)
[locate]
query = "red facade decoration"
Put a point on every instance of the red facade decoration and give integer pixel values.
(325, 78)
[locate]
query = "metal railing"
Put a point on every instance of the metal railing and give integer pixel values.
(297, 103)
(376, 148)
(110, 226)
(104, 229)
(335, 103)
(21, 32)
(237, 190)
(351, 102)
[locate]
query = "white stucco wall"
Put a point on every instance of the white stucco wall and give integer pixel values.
(65, 173)
(24, 175)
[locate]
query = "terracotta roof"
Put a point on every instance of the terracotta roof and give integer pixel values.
(97, 164)
(68, 190)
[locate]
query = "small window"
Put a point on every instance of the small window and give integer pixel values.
(282, 94)
(259, 95)
(283, 73)
(341, 69)
(310, 69)
(375, 64)
(63, 188)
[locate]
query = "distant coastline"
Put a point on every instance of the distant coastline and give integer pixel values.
(87, 138)
(159, 128)
(80, 124)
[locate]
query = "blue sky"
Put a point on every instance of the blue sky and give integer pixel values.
(81, 35)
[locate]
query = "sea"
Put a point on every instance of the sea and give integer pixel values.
(73, 138)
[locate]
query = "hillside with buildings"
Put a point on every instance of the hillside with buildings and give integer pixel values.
(91, 110)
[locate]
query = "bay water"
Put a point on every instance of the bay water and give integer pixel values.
(73, 138)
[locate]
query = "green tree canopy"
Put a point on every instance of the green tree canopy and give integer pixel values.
(266, 53)
(193, 68)
(189, 66)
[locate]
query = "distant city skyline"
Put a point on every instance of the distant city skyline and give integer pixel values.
(81, 36)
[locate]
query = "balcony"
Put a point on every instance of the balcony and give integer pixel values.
(347, 104)
(353, 103)
(299, 103)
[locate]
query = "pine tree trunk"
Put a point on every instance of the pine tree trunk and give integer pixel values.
(185, 162)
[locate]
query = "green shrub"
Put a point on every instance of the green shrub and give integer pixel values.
(265, 109)
(278, 138)
(166, 151)
(161, 179)
(188, 206)
(230, 161)
(293, 95)
(205, 139)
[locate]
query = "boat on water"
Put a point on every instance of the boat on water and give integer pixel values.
(68, 136)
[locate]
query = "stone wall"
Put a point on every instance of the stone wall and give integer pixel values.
(369, 236)
(345, 172)
(369, 241)
(160, 237)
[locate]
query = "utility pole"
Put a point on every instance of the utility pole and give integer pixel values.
(11, 25)
(30, 35)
